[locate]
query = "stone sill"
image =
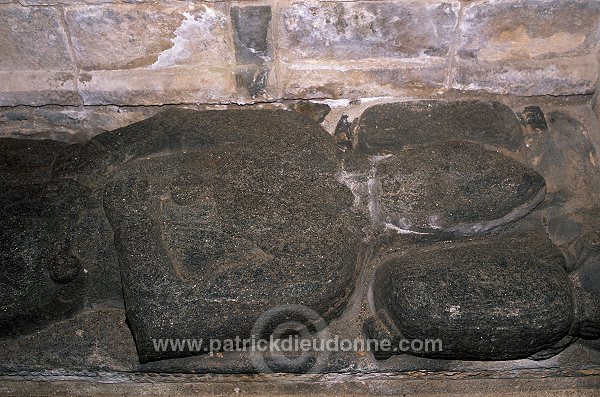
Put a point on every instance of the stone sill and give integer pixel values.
(532, 384)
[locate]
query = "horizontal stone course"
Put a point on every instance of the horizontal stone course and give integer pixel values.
(204, 52)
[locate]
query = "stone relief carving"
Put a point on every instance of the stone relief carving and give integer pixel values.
(208, 219)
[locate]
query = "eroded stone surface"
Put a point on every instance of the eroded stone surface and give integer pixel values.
(316, 111)
(37, 263)
(217, 220)
(518, 30)
(528, 48)
(357, 30)
(453, 187)
(127, 36)
(334, 79)
(22, 29)
(251, 30)
(497, 299)
(396, 125)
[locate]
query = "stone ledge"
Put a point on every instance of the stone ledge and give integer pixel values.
(158, 86)
(562, 76)
(291, 385)
(367, 78)
(37, 88)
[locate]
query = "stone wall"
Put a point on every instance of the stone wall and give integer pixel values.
(98, 52)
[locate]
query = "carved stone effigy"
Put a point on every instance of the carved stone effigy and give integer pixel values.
(205, 220)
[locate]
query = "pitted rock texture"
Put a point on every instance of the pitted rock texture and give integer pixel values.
(37, 263)
(218, 219)
(393, 126)
(449, 189)
(497, 299)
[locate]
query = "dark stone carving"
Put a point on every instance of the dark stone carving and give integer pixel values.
(445, 190)
(200, 222)
(216, 220)
(393, 126)
(497, 299)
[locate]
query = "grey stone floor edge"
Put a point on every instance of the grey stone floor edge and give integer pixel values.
(586, 383)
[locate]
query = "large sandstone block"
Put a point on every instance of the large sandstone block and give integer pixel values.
(358, 30)
(30, 73)
(129, 36)
(358, 49)
(528, 47)
(153, 54)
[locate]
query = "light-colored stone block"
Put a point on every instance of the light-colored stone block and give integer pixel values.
(366, 29)
(35, 64)
(158, 86)
(31, 38)
(562, 76)
(153, 36)
(37, 88)
(528, 47)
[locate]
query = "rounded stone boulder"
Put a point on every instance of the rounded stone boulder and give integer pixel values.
(497, 299)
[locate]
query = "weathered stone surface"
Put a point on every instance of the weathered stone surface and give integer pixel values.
(529, 47)
(360, 79)
(38, 88)
(29, 73)
(562, 151)
(228, 222)
(358, 30)
(316, 111)
(497, 299)
(37, 263)
(22, 29)
(529, 30)
(92, 340)
(393, 126)
(68, 124)
(153, 36)
(561, 76)
(174, 85)
(452, 187)
(251, 34)
(253, 80)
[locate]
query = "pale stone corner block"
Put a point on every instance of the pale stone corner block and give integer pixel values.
(29, 73)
